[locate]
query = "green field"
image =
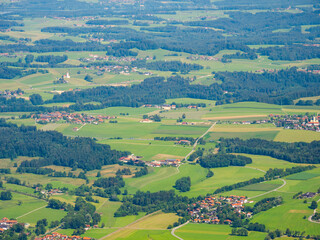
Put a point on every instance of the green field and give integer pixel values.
(209, 231)
(150, 150)
(303, 176)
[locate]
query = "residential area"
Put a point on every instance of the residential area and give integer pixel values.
(75, 118)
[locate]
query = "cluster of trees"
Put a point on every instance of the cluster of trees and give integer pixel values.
(56, 204)
(148, 202)
(239, 232)
(248, 55)
(10, 73)
(5, 195)
(16, 232)
(54, 148)
(291, 53)
(143, 171)
(271, 174)
(51, 59)
(34, 170)
(109, 182)
(197, 154)
(223, 160)
(124, 171)
(299, 152)
(308, 103)
(5, 170)
(83, 213)
(183, 184)
(279, 87)
(265, 204)
(172, 66)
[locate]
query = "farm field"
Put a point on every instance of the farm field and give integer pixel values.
(154, 226)
(288, 135)
(150, 150)
(210, 231)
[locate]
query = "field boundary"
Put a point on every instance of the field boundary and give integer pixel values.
(174, 229)
(128, 226)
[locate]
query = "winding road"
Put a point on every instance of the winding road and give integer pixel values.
(174, 229)
(310, 218)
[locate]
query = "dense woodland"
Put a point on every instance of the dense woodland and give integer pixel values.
(53, 148)
(300, 152)
(223, 160)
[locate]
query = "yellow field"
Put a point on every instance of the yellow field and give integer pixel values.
(289, 135)
(158, 221)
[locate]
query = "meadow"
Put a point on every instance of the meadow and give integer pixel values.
(210, 231)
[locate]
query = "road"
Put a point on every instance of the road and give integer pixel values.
(310, 218)
(284, 183)
(174, 229)
(196, 143)
(128, 226)
(31, 212)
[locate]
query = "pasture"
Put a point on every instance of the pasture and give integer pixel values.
(210, 231)
(150, 150)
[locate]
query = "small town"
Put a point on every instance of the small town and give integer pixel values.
(76, 118)
(310, 123)
(58, 236)
(205, 211)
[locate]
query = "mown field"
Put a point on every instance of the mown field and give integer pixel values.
(209, 231)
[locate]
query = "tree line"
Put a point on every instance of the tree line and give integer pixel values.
(299, 152)
(53, 148)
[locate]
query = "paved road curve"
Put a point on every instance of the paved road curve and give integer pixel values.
(173, 229)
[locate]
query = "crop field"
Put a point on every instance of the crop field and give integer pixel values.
(210, 231)
(288, 135)
(267, 135)
(154, 225)
(265, 186)
(303, 176)
(242, 111)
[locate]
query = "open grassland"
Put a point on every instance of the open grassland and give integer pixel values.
(150, 150)
(12, 209)
(222, 177)
(190, 114)
(32, 179)
(266, 162)
(164, 178)
(132, 128)
(289, 135)
(291, 213)
(115, 111)
(193, 231)
(303, 176)
(49, 214)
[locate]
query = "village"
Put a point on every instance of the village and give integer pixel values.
(75, 118)
(11, 93)
(296, 122)
(205, 211)
(136, 160)
(58, 236)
